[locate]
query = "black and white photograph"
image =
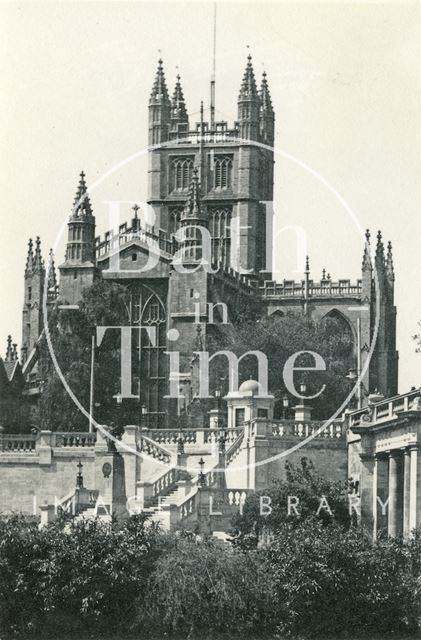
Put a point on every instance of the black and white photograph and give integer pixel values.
(210, 337)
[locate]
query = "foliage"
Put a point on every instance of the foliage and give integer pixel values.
(88, 579)
(307, 489)
(103, 304)
(333, 582)
(281, 337)
(72, 577)
(201, 589)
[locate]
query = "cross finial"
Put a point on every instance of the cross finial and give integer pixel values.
(135, 208)
(82, 174)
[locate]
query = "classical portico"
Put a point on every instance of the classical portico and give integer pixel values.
(390, 463)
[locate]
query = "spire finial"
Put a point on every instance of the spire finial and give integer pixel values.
(390, 271)
(159, 92)
(9, 349)
(52, 277)
(81, 203)
(366, 264)
(38, 262)
(307, 270)
(248, 86)
(379, 250)
(193, 208)
(178, 106)
(30, 256)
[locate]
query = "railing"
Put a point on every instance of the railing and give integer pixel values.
(113, 243)
(234, 449)
(18, 443)
(231, 435)
(237, 497)
(290, 289)
(196, 137)
(293, 429)
(75, 439)
(151, 448)
(171, 436)
(187, 508)
(303, 430)
(191, 436)
(162, 485)
(386, 409)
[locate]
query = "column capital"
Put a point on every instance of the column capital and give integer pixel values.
(414, 446)
(395, 453)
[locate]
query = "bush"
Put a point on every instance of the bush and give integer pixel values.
(335, 582)
(89, 579)
(202, 588)
(309, 487)
(72, 577)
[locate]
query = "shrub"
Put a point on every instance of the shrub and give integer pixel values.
(202, 588)
(308, 486)
(335, 582)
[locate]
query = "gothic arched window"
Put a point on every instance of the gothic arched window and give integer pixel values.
(148, 310)
(174, 221)
(181, 174)
(222, 171)
(219, 227)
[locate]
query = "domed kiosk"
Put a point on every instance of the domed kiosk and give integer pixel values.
(248, 403)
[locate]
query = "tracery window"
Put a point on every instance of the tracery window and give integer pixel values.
(222, 172)
(219, 228)
(148, 310)
(181, 174)
(174, 221)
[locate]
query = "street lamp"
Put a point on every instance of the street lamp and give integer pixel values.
(303, 389)
(285, 405)
(144, 412)
(79, 477)
(201, 479)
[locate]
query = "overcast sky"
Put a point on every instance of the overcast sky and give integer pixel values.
(346, 87)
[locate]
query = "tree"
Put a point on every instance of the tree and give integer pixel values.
(304, 494)
(279, 338)
(71, 332)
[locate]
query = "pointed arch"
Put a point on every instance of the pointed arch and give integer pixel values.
(344, 321)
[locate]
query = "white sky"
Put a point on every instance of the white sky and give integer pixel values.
(346, 87)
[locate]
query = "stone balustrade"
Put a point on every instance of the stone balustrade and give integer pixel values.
(198, 437)
(322, 289)
(152, 449)
(293, 429)
(386, 409)
(17, 443)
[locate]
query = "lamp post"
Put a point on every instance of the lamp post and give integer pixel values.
(143, 415)
(201, 479)
(285, 406)
(79, 477)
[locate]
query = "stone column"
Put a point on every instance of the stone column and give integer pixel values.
(367, 491)
(395, 505)
(406, 491)
(381, 494)
(414, 511)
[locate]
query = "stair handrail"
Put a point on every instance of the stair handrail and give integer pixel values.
(234, 448)
(154, 449)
